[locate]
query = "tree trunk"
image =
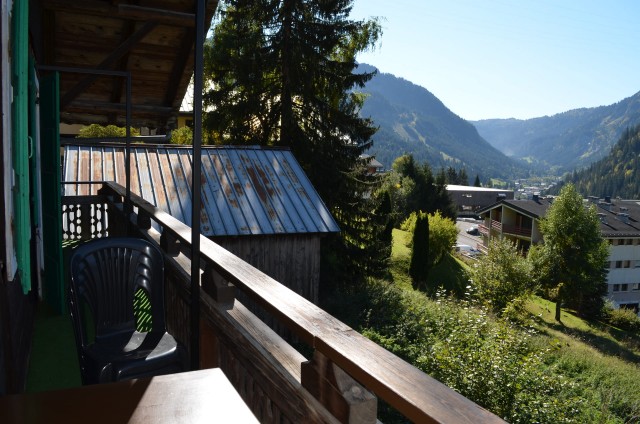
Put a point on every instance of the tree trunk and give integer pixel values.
(286, 116)
(558, 310)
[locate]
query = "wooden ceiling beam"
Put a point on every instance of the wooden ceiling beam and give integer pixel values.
(184, 54)
(128, 29)
(163, 16)
(120, 51)
(126, 11)
(107, 107)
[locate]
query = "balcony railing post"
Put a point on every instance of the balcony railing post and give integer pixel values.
(85, 221)
(344, 397)
(169, 243)
(219, 289)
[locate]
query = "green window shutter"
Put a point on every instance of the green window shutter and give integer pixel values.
(54, 284)
(20, 141)
(33, 140)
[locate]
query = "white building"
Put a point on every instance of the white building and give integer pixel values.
(518, 220)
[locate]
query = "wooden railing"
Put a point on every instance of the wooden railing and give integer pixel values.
(483, 229)
(516, 230)
(341, 380)
(496, 225)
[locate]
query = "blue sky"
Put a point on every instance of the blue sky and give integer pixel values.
(510, 58)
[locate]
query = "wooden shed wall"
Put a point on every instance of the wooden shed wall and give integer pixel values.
(293, 260)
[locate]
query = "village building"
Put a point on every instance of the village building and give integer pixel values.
(469, 199)
(519, 221)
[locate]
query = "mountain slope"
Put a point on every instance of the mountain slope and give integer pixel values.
(413, 120)
(564, 141)
(616, 174)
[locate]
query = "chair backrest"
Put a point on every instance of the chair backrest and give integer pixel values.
(105, 275)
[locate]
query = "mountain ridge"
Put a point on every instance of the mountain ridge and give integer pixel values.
(564, 141)
(413, 120)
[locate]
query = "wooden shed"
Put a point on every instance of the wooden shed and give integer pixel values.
(256, 202)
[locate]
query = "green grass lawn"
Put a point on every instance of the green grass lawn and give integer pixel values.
(595, 366)
(574, 331)
(602, 359)
(450, 273)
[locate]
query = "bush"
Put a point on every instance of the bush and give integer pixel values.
(410, 223)
(502, 277)
(101, 131)
(493, 363)
(442, 236)
(623, 318)
(182, 135)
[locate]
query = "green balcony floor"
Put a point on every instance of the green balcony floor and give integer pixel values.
(53, 363)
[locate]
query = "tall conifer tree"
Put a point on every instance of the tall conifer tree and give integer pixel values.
(282, 74)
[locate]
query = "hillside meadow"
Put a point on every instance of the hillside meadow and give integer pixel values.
(535, 370)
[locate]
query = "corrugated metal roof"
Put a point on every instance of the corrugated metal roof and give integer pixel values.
(245, 190)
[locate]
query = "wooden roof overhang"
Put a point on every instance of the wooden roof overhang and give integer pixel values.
(153, 40)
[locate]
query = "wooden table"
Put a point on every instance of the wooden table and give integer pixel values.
(189, 397)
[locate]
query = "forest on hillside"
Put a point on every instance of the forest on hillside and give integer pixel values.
(411, 120)
(565, 141)
(616, 174)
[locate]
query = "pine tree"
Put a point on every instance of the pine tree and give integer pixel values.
(442, 199)
(463, 178)
(476, 183)
(282, 74)
(419, 265)
(451, 176)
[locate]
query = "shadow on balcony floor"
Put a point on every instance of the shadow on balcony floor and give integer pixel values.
(54, 362)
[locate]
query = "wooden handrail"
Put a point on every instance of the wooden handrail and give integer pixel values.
(518, 230)
(412, 392)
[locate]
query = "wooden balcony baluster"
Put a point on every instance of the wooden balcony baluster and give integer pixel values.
(344, 397)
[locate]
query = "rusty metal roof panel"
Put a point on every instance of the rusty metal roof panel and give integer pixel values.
(245, 190)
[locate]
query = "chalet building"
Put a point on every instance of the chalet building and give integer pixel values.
(129, 63)
(373, 165)
(519, 221)
(469, 199)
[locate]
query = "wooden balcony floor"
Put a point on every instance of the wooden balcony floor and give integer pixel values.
(53, 363)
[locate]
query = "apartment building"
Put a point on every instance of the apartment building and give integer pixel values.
(519, 221)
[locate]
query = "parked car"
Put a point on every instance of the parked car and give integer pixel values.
(465, 249)
(473, 230)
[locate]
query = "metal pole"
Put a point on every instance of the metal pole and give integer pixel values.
(196, 185)
(127, 153)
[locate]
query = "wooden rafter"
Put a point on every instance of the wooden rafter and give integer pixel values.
(121, 50)
(152, 40)
(119, 107)
(179, 64)
(126, 11)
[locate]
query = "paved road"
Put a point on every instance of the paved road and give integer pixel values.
(463, 237)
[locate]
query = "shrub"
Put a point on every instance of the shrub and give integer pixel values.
(493, 363)
(101, 131)
(442, 233)
(623, 318)
(182, 135)
(409, 223)
(442, 236)
(501, 277)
